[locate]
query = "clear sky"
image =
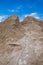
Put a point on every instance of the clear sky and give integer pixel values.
(21, 8)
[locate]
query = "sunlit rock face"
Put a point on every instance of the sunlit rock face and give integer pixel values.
(21, 43)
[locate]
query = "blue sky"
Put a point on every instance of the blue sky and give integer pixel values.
(21, 8)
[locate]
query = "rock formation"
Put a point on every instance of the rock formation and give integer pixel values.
(21, 43)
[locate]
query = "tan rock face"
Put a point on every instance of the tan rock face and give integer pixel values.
(21, 43)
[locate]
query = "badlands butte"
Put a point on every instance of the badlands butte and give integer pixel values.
(21, 43)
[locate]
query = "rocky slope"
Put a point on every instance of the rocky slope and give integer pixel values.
(21, 43)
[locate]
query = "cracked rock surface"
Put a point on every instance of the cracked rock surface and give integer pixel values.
(21, 43)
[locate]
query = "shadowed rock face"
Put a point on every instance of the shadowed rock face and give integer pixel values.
(21, 43)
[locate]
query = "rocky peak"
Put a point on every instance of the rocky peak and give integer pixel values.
(12, 20)
(29, 19)
(21, 44)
